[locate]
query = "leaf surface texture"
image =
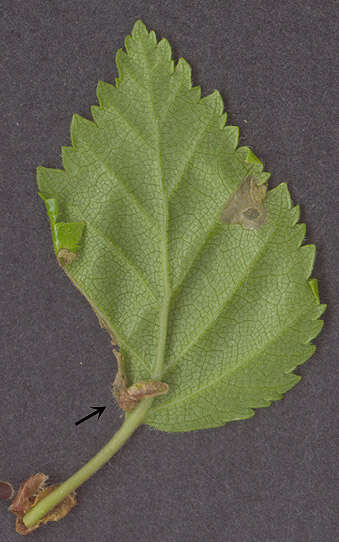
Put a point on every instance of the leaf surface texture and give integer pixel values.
(221, 313)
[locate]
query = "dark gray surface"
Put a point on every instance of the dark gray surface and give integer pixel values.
(271, 478)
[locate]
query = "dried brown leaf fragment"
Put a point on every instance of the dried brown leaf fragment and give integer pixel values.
(6, 490)
(30, 492)
(23, 500)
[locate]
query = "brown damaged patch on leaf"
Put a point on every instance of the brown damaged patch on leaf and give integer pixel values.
(120, 393)
(147, 388)
(129, 396)
(246, 206)
(6, 490)
(66, 256)
(30, 492)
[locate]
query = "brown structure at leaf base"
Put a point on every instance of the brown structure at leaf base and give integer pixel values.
(129, 396)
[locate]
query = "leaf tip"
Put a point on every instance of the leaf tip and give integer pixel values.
(252, 158)
(183, 68)
(165, 47)
(308, 253)
(139, 29)
(283, 187)
(215, 101)
(232, 133)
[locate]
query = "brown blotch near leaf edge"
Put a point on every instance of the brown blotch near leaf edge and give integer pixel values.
(66, 256)
(246, 206)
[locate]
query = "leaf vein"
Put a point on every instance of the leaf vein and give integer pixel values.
(123, 256)
(222, 307)
(190, 158)
(241, 364)
(113, 174)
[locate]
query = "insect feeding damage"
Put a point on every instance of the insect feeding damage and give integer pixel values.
(129, 396)
(246, 206)
(65, 256)
(66, 235)
(30, 492)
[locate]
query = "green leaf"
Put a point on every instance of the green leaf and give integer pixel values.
(219, 308)
(66, 236)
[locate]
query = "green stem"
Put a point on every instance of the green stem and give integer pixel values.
(131, 423)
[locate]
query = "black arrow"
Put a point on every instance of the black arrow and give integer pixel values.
(97, 410)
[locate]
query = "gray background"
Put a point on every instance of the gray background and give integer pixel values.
(271, 478)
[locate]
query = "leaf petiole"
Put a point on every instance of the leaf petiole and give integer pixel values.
(131, 423)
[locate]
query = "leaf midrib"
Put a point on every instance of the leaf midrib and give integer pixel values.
(157, 370)
(203, 330)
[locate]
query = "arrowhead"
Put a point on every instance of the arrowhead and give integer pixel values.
(99, 410)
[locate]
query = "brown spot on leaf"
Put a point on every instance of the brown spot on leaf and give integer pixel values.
(30, 492)
(147, 388)
(66, 256)
(120, 392)
(246, 206)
